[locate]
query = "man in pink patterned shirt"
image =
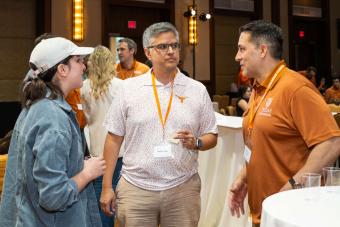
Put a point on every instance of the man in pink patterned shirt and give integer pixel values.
(165, 118)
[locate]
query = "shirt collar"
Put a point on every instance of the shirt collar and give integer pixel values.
(266, 82)
(120, 66)
(180, 79)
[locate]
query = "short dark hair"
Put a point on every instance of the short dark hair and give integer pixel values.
(42, 37)
(131, 44)
(262, 31)
(311, 69)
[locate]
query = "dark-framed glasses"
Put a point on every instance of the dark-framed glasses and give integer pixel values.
(164, 47)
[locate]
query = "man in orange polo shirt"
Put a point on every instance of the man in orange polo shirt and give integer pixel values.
(332, 94)
(128, 66)
(288, 129)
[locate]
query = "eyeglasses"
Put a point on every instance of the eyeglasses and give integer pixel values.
(164, 47)
(120, 49)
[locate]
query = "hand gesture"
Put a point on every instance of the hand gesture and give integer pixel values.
(187, 139)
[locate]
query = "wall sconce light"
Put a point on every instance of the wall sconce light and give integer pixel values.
(78, 20)
(191, 12)
(205, 16)
(192, 22)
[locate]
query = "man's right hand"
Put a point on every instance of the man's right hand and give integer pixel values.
(237, 194)
(108, 201)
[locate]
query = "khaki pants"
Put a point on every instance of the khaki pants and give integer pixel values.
(178, 206)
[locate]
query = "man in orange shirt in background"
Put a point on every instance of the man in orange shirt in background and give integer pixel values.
(128, 66)
(281, 143)
(332, 94)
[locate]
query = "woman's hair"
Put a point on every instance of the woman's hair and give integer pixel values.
(242, 90)
(100, 70)
(34, 87)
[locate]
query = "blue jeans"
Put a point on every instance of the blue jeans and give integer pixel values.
(107, 220)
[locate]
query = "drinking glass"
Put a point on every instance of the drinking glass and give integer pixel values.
(331, 176)
(311, 180)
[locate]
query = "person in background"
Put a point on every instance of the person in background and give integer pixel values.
(165, 119)
(288, 129)
(97, 93)
(180, 67)
(128, 66)
(242, 80)
(47, 181)
(332, 94)
(322, 86)
(74, 100)
(310, 74)
(242, 101)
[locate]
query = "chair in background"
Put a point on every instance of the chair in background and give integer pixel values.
(223, 102)
(334, 108)
(231, 110)
(233, 101)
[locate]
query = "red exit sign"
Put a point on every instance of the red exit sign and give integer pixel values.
(132, 24)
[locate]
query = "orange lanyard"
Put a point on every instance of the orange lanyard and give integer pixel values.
(252, 112)
(160, 115)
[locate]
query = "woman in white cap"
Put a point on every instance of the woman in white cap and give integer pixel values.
(47, 182)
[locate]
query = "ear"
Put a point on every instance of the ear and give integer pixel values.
(263, 50)
(132, 51)
(147, 53)
(62, 70)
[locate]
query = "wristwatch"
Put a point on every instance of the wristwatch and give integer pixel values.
(294, 184)
(199, 143)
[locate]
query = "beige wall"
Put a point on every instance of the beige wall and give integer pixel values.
(17, 31)
(226, 39)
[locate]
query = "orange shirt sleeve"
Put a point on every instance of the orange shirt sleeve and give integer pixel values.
(316, 127)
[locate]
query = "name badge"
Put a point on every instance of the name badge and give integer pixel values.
(80, 106)
(247, 153)
(162, 151)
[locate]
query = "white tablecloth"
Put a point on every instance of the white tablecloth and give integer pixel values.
(307, 207)
(218, 168)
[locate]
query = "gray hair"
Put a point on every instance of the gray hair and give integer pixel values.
(155, 29)
(131, 44)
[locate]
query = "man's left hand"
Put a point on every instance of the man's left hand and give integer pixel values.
(187, 139)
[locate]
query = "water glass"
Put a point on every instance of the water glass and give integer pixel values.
(331, 176)
(311, 180)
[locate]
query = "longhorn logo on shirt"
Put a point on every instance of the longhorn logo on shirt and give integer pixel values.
(266, 110)
(181, 98)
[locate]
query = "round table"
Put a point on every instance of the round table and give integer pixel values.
(306, 207)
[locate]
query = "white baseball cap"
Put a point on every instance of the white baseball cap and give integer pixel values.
(50, 52)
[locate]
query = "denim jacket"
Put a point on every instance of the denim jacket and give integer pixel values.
(44, 154)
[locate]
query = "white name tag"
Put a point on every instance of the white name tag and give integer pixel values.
(247, 153)
(80, 106)
(162, 151)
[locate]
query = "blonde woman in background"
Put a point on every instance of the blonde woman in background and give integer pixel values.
(97, 93)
